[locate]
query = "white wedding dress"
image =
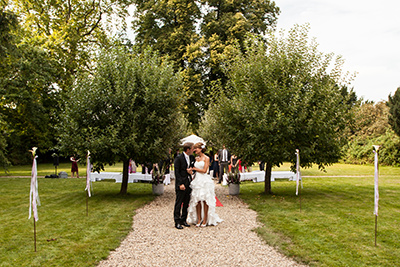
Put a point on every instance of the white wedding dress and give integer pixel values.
(202, 190)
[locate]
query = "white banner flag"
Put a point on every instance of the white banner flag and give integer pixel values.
(376, 180)
(34, 192)
(88, 171)
(298, 176)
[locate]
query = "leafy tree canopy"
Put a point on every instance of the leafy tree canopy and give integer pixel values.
(197, 35)
(282, 97)
(70, 30)
(371, 127)
(394, 111)
(28, 101)
(129, 108)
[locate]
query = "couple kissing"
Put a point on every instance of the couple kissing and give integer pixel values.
(195, 194)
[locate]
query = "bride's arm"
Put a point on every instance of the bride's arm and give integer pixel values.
(205, 168)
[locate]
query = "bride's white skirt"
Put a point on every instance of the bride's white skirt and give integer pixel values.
(203, 190)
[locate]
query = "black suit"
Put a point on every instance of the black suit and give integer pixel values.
(223, 165)
(182, 196)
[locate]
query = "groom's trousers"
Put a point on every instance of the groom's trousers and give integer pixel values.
(181, 205)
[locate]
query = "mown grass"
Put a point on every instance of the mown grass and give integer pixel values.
(336, 224)
(65, 235)
(334, 228)
(341, 169)
(48, 168)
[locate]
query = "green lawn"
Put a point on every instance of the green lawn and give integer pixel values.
(334, 228)
(336, 224)
(65, 235)
(48, 168)
(340, 169)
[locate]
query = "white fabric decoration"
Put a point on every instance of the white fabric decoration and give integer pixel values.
(376, 181)
(34, 192)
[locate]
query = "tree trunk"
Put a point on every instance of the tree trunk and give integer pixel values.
(125, 176)
(267, 185)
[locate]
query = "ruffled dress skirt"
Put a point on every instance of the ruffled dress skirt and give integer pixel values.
(203, 189)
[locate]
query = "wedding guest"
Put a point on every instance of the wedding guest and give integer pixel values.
(211, 157)
(261, 164)
(165, 165)
(74, 167)
(173, 157)
(155, 168)
(234, 163)
(224, 161)
(132, 166)
(147, 167)
(215, 166)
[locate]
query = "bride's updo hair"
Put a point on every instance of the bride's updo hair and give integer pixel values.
(200, 145)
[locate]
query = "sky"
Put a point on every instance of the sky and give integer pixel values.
(366, 33)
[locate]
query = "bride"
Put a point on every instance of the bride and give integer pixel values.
(202, 200)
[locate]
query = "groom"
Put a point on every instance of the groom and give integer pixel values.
(183, 176)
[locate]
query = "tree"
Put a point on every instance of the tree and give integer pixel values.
(129, 108)
(170, 27)
(227, 23)
(282, 97)
(371, 127)
(70, 30)
(29, 103)
(394, 111)
(167, 26)
(28, 97)
(8, 22)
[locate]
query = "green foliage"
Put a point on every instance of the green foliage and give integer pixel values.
(8, 22)
(29, 99)
(394, 111)
(359, 150)
(170, 27)
(371, 120)
(371, 127)
(227, 23)
(129, 108)
(282, 97)
(70, 30)
(65, 235)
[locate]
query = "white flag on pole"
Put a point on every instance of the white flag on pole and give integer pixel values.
(376, 180)
(88, 171)
(298, 175)
(34, 200)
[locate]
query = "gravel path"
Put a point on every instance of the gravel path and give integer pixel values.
(154, 240)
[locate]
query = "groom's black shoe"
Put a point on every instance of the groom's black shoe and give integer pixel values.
(186, 224)
(178, 226)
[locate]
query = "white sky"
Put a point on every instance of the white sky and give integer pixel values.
(366, 33)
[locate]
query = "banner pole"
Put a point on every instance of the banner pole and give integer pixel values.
(376, 227)
(376, 186)
(34, 232)
(300, 197)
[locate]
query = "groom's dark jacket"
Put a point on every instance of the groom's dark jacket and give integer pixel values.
(181, 174)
